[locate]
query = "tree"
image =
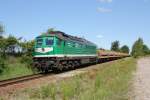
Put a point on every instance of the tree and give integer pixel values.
(27, 47)
(115, 46)
(11, 44)
(3, 46)
(137, 49)
(1, 39)
(8, 45)
(2, 65)
(1, 30)
(146, 50)
(30, 49)
(50, 30)
(125, 49)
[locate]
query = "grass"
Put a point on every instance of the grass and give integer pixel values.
(111, 81)
(15, 69)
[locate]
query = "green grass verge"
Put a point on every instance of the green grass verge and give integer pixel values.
(14, 69)
(111, 81)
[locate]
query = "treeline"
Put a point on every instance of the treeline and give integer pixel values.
(138, 48)
(115, 46)
(12, 46)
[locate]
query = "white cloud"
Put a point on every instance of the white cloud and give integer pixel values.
(104, 10)
(99, 36)
(105, 1)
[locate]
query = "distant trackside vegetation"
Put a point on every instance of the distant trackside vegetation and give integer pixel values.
(139, 49)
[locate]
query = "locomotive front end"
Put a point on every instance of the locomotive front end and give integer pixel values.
(43, 51)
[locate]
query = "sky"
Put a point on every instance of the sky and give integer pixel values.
(100, 21)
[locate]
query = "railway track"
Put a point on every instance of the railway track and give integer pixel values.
(16, 80)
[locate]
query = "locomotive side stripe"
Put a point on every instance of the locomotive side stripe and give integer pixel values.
(61, 55)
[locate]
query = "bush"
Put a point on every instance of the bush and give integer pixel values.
(2, 65)
(27, 60)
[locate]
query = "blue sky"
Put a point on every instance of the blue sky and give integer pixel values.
(100, 21)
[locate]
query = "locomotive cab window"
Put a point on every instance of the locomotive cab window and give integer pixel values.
(49, 41)
(39, 42)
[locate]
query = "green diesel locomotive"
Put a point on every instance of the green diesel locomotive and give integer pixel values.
(58, 51)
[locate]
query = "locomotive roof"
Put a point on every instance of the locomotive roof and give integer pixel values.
(65, 36)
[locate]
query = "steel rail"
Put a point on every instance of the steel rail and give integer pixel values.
(16, 80)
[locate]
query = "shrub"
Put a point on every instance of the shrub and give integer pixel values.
(27, 60)
(2, 65)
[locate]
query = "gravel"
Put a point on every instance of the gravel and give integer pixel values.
(142, 80)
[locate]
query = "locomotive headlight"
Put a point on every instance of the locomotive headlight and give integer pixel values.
(44, 50)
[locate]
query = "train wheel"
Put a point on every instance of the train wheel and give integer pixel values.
(59, 68)
(36, 67)
(73, 65)
(46, 70)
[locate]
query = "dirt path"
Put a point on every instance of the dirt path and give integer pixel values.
(142, 80)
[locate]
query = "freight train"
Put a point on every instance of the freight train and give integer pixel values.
(58, 51)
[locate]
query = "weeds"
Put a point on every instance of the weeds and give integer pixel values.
(34, 93)
(109, 82)
(49, 91)
(13, 68)
(67, 90)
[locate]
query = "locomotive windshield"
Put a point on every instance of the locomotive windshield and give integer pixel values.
(49, 41)
(39, 42)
